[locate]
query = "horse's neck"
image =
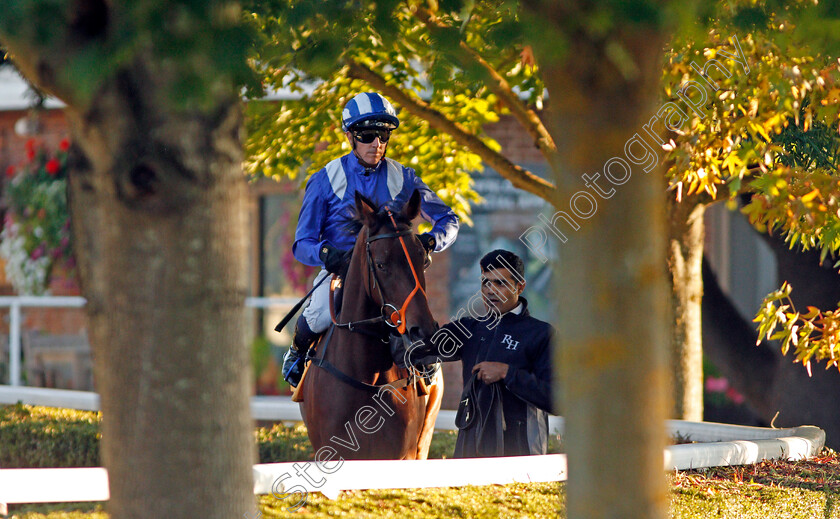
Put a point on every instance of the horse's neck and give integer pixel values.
(360, 355)
(356, 305)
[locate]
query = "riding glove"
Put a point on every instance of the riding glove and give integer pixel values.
(334, 259)
(428, 241)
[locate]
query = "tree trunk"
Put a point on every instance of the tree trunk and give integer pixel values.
(613, 338)
(685, 258)
(157, 200)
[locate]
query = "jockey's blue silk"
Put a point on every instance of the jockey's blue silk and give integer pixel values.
(329, 202)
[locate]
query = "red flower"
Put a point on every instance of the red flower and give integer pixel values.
(64, 145)
(10, 171)
(52, 166)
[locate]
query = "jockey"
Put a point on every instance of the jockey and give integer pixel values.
(322, 238)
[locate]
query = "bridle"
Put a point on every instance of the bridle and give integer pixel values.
(389, 314)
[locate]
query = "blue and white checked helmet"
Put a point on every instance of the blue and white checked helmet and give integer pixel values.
(369, 107)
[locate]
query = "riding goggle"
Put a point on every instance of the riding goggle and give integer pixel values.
(368, 136)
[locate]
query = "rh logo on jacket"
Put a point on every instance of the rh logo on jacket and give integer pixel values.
(511, 344)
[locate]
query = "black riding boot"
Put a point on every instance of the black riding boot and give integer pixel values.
(293, 360)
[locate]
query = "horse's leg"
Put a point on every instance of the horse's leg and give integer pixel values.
(433, 401)
(302, 412)
(309, 408)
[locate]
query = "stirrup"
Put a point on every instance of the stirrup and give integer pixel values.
(293, 366)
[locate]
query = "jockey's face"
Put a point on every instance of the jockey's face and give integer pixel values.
(500, 289)
(370, 153)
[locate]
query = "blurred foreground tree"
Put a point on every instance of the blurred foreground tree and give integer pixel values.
(156, 197)
(601, 62)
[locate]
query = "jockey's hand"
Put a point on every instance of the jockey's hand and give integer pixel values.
(428, 241)
(334, 259)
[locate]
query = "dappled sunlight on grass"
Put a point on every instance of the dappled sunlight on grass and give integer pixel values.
(535, 500)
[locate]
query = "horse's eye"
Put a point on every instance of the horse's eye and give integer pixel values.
(380, 266)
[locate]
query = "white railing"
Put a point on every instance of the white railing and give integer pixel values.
(91, 483)
(16, 303)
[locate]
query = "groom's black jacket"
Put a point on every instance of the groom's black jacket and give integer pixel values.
(524, 344)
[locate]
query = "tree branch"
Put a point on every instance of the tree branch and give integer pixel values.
(42, 59)
(498, 85)
(517, 175)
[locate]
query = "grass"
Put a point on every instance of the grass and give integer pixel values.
(783, 489)
(792, 489)
(536, 500)
(777, 489)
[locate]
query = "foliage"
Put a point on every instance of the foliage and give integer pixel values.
(36, 232)
(202, 44)
(768, 136)
(260, 354)
(32, 437)
(428, 55)
(281, 443)
(814, 335)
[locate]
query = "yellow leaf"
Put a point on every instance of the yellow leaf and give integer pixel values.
(810, 196)
(733, 163)
(760, 129)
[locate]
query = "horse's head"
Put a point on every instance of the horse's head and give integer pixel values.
(392, 266)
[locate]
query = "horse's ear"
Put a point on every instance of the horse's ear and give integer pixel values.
(365, 210)
(412, 207)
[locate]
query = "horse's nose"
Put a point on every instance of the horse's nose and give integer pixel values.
(415, 334)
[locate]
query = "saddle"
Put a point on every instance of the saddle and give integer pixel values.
(297, 394)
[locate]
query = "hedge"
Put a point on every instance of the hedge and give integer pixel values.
(33, 436)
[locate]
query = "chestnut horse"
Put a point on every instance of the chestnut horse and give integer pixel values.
(355, 399)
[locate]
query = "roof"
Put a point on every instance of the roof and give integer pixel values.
(15, 93)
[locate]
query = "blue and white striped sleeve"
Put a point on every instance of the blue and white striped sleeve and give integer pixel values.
(310, 223)
(444, 221)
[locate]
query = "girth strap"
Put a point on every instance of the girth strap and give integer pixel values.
(358, 384)
(323, 363)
